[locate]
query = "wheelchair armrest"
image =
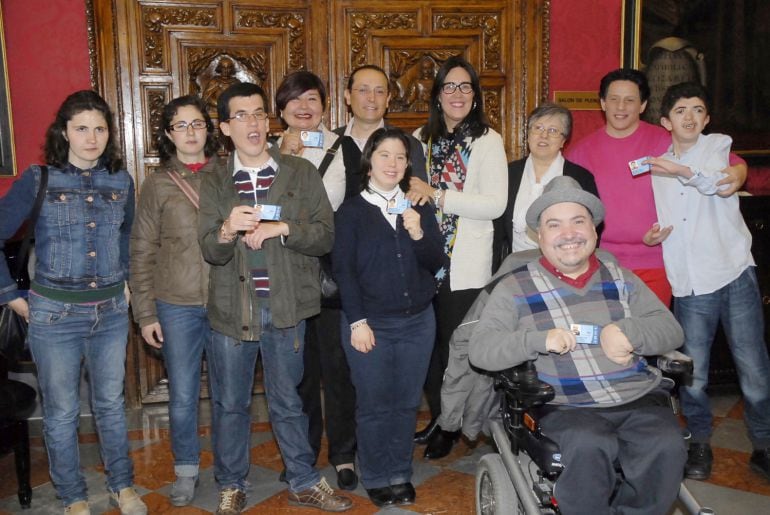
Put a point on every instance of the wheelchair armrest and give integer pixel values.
(521, 382)
(676, 365)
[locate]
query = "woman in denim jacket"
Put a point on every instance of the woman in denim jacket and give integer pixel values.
(170, 279)
(77, 307)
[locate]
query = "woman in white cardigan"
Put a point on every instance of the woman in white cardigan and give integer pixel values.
(468, 173)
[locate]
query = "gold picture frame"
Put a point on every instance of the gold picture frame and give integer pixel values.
(715, 43)
(7, 149)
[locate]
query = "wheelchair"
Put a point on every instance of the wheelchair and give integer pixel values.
(519, 478)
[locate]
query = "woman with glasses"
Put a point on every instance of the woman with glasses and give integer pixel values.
(301, 102)
(548, 129)
(78, 302)
(466, 166)
(169, 278)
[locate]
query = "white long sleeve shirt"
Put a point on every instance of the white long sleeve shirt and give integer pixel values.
(710, 245)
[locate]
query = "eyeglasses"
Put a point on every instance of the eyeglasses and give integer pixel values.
(365, 92)
(183, 126)
(243, 116)
(551, 132)
(451, 87)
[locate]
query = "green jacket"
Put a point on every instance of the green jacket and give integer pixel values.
(292, 264)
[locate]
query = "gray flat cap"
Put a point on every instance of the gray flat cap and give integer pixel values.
(564, 189)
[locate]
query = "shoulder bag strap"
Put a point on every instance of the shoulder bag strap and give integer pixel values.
(327, 160)
(188, 190)
(21, 258)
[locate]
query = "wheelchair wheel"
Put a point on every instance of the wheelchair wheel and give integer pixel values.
(495, 494)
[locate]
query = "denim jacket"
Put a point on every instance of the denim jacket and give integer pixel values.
(82, 234)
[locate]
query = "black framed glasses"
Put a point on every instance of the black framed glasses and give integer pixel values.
(243, 116)
(451, 87)
(183, 126)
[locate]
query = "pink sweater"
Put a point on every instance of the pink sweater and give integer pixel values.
(628, 200)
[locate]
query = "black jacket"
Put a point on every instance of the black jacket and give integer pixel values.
(504, 225)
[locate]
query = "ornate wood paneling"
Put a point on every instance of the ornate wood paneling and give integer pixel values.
(145, 52)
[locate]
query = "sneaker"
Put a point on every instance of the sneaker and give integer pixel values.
(78, 508)
(760, 462)
(128, 501)
(699, 461)
(231, 501)
(183, 490)
(320, 496)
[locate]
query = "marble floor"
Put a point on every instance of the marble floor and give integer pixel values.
(443, 487)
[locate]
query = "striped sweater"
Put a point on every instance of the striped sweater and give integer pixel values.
(531, 301)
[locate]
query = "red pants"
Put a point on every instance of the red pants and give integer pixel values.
(655, 279)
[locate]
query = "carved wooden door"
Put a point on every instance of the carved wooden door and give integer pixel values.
(144, 53)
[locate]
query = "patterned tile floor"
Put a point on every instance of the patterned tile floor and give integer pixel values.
(443, 487)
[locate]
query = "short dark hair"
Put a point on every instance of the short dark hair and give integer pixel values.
(295, 84)
(629, 74)
(166, 147)
(552, 109)
(56, 147)
(475, 124)
(682, 90)
(367, 67)
(374, 141)
(240, 89)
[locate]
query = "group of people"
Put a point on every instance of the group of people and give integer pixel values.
(224, 256)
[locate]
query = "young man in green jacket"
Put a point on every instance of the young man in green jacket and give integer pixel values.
(264, 219)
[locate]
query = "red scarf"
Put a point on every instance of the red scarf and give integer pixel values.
(581, 280)
(195, 167)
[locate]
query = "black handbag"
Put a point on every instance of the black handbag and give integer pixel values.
(330, 292)
(13, 327)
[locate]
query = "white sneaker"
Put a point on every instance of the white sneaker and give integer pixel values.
(78, 508)
(128, 501)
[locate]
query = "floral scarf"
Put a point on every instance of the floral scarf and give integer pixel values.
(448, 166)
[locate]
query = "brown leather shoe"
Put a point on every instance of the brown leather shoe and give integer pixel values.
(231, 501)
(320, 496)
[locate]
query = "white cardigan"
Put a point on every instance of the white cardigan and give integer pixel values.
(484, 197)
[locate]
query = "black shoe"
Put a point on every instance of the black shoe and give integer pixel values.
(421, 437)
(347, 479)
(403, 494)
(699, 461)
(381, 496)
(760, 462)
(440, 443)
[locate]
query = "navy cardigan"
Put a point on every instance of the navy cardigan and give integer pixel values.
(381, 271)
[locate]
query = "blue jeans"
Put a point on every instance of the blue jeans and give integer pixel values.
(60, 336)
(186, 332)
(739, 307)
(388, 381)
(231, 376)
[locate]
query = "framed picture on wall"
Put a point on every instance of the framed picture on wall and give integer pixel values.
(7, 156)
(723, 44)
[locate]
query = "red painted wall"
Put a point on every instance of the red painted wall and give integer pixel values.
(46, 46)
(47, 50)
(585, 45)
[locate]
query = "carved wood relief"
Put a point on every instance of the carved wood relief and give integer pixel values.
(145, 52)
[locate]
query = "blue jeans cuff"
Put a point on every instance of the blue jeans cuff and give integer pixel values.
(183, 470)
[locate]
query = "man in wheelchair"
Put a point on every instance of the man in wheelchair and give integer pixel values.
(587, 323)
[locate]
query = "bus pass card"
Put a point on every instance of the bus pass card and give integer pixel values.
(397, 207)
(314, 139)
(637, 167)
(269, 212)
(586, 333)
